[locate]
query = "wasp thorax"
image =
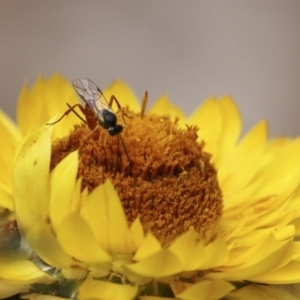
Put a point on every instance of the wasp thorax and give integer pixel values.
(109, 119)
(160, 171)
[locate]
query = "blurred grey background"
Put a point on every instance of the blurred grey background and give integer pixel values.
(189, 49)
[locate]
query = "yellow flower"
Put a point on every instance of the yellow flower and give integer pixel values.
(142, 215)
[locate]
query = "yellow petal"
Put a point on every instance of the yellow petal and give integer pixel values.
(63, 180)
(31, 180)
(270, 255)
(210, 128)
(287, 274)
(135, 278)
(241, 166)
(206, 289)
(285, 233)
(96, 289)
(31, 106)
(79, 196)
(260, 292)
(216, 254)
(72, 274)
(18, 270)
(163, 107)
(155, 298)
(7, 289)
(6, 198)
(246, 246)
(195, 256)
(137, 233)
(10, 129)
(104, 213)
(43, 242)
(38, 97)
(187, 247)
(296, 255)
(82, 245)
(231, 127)
(42, 297)
(296, 223)
(149, 246)
(161, 264)
(47, 99)
(124, 95)
(8, 148)
(241, 199)
(25, 112)
(287, 162)
(60, 93)
(100, 270)
(273, 149)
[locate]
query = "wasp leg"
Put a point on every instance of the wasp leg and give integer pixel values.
(75, 112)
(120, 108)
(68, 111)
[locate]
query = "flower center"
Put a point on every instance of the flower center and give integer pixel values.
(160, 172)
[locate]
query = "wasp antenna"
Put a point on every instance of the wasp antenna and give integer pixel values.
(144, 105)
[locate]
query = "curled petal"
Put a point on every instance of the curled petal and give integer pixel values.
(31, 180)
(63, 180)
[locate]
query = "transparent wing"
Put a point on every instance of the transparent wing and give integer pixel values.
(92, 95)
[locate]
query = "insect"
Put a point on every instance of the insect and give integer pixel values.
(97, 110)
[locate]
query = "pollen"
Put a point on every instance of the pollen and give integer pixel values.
(159, 170)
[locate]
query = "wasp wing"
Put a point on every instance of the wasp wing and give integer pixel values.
(92, 95)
